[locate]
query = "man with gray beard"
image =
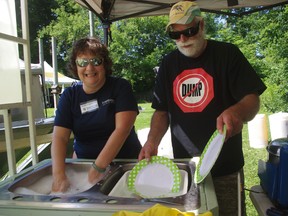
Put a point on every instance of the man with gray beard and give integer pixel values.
(200, 87)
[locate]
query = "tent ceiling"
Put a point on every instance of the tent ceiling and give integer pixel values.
(109, 11)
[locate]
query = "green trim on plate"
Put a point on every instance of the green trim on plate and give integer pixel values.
(198, 178)
(177, 179)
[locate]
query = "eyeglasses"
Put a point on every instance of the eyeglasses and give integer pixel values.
(189, 32)
(83, 62)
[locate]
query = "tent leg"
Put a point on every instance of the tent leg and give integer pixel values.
(107, 33)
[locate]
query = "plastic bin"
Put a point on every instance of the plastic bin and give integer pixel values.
(278, 125)
(258, 131)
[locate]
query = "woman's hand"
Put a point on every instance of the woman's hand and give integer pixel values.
(60, 184)
(94, 176)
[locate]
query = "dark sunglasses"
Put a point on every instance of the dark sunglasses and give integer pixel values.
(189, 32)
(83, 62)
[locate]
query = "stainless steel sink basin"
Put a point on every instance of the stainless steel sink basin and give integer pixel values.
(39, 181)
(91, 194)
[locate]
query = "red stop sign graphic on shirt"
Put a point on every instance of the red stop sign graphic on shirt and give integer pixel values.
(193, 90)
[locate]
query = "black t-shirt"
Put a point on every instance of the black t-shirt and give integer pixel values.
(195, 91)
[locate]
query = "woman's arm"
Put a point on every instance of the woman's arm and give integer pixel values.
(124, 121)
(60, 141)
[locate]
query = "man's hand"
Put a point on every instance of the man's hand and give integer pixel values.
(235, 116)
(147, 151)
(233, 122)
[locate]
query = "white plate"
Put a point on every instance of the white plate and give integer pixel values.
(209, 155)
(121, 188)
(156, 178)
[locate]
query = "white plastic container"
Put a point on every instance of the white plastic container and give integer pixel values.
(258, 131)
(278, 125)
(165, 147)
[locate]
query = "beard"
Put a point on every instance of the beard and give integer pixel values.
(193, 47)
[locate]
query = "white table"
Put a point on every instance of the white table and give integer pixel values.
(260, 200)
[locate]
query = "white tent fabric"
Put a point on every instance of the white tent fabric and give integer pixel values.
(49, 73)
(110, 10)
(49, 76)
(35, 68)
(9, 69)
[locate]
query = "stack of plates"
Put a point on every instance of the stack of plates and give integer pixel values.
(156, 178)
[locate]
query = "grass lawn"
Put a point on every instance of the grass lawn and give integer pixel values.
(251, 155)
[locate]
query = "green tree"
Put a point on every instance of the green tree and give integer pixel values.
(262, 38)
(140, 43)
(138, 46)
(71, 23)
(272, 37)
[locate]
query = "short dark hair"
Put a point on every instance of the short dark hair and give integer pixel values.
(93, 46)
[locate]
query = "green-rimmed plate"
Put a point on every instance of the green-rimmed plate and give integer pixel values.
(156, 178)
(209, 155)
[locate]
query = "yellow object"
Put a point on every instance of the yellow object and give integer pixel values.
(159, 210)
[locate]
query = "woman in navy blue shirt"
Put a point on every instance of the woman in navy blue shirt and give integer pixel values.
(100, 111)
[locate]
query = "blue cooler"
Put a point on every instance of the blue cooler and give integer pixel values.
(273, 174)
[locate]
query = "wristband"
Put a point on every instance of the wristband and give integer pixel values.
(98, 169)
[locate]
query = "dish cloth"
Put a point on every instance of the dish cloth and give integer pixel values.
(159, 210)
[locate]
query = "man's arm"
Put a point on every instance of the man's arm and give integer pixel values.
(158, 127)
(235, 116)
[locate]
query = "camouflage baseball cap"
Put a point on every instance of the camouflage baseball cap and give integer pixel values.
(183, 12)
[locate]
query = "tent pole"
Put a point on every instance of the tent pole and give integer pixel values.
(106, 27)
(55, 67)
(41, 62)
(91, 21)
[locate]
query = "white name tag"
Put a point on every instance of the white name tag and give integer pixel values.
(89, 106)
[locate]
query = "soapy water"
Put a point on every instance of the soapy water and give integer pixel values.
(78, 183)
